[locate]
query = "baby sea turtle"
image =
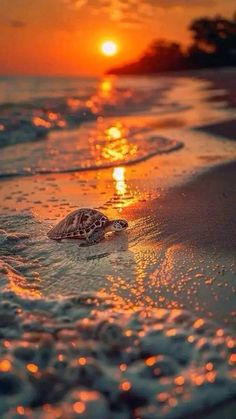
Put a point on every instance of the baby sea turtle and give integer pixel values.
(86, 224)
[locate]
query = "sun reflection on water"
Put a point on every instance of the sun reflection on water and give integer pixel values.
(19, 284)
(105, 88)
(117, 144)
(40, 122)
(114, 132)
(119, 177)
(112, 143)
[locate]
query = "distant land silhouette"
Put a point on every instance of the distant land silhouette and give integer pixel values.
(213, 45)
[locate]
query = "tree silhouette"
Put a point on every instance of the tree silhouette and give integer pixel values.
(163, 54)
(214, 42)
(216, 36)
(213, 45)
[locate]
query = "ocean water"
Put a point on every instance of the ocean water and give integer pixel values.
(82, 355)
(38, 111)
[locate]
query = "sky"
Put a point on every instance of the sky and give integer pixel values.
(63, 37)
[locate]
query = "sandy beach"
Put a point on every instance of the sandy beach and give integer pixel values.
(179, 251)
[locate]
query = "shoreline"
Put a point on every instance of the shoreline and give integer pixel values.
(205, 73)
(166, 231)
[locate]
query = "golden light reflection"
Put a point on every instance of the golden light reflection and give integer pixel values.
(125, 385)
(198, 323)
(179, 380)
(209, 366)
(123, 367)
(5, 365)
(73, 104)
(198, 379)
(20, 290)
(105, 88)
(211, 376)
(20, 410)
(162, 397)
(52, 116)
(87, 396)
(220, 332)
(117, 146)
(19, 285)
(33, 368)
(40, 122)
(151, 361)
(110, 144)
(230, 343)
(106, 85)
(119, 177)
(82, 360)
(119, 174)
(114, 133)
(79, 407)
(232, 359)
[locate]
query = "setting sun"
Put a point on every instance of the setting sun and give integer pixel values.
(109, 48)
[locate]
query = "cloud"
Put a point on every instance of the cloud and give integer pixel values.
(132, 12)
(77, 4)
(166, 4)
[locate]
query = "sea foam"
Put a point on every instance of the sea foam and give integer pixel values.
(82, 356)
(98, 146)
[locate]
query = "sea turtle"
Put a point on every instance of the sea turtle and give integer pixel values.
(87, 225)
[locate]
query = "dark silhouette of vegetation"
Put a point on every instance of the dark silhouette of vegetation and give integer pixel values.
(213, 45)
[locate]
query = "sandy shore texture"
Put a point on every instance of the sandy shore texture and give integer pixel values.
(179, 251)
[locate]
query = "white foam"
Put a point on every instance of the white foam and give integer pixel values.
(82, 354)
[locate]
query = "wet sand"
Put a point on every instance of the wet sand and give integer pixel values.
(224, 93)
(225, 129)
(196, 226)
(224, 87)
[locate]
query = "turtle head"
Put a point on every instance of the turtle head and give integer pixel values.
(118, 225)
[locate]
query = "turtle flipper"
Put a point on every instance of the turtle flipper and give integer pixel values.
(95, 238)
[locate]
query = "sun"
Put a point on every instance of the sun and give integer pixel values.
(109, 48)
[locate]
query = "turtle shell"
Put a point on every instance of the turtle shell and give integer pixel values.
(79, 224)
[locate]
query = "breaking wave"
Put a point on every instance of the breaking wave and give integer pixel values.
(85, 149)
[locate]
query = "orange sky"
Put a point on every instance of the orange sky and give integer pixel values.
(63, 36)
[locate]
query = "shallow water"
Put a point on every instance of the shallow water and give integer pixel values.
(93, 148)
(29, 115)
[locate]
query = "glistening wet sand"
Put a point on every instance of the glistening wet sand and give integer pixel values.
(178, 252)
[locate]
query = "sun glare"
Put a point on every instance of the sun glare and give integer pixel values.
(109, 48)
